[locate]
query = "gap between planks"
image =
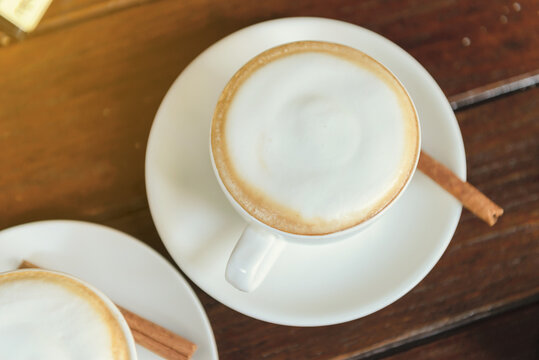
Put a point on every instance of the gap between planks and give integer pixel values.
(494, 90)
(434, 331)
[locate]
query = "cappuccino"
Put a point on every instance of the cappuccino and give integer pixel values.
(47, 315)
(312, 138)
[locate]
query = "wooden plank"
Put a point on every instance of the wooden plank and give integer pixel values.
(82, 100)
(484, 271)
(514, 335)
(464, 44)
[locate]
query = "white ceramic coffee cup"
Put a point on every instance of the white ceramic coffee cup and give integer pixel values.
(260, 244)
(68, 294)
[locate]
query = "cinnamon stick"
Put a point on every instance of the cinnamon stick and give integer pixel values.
(158, 333)
(153, 337)
(471, 198)
(155, 346)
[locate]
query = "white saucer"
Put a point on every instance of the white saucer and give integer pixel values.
(309, 285)
(129, 272)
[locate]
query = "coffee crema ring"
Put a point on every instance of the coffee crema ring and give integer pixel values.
(313, 138)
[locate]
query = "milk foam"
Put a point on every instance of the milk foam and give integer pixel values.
(320, 138)
(46, 319)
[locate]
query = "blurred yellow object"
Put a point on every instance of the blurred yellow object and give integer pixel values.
(24, 15)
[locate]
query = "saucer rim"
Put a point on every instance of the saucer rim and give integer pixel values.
(334, 317)
(129, 241)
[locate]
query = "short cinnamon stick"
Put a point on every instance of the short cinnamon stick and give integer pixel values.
(153, 337)
(158, 348)
(471, 198)
(158, 333)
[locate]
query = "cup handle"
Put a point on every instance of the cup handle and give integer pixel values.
(253, 256)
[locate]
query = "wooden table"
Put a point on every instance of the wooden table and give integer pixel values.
(78, 96)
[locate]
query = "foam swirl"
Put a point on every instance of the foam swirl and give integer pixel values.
(312, 137)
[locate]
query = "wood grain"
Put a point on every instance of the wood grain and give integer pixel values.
(464, 44)
(77, 115)
(511, 336)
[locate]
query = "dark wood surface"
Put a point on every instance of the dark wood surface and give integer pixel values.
(78, 97)
(511, 336)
